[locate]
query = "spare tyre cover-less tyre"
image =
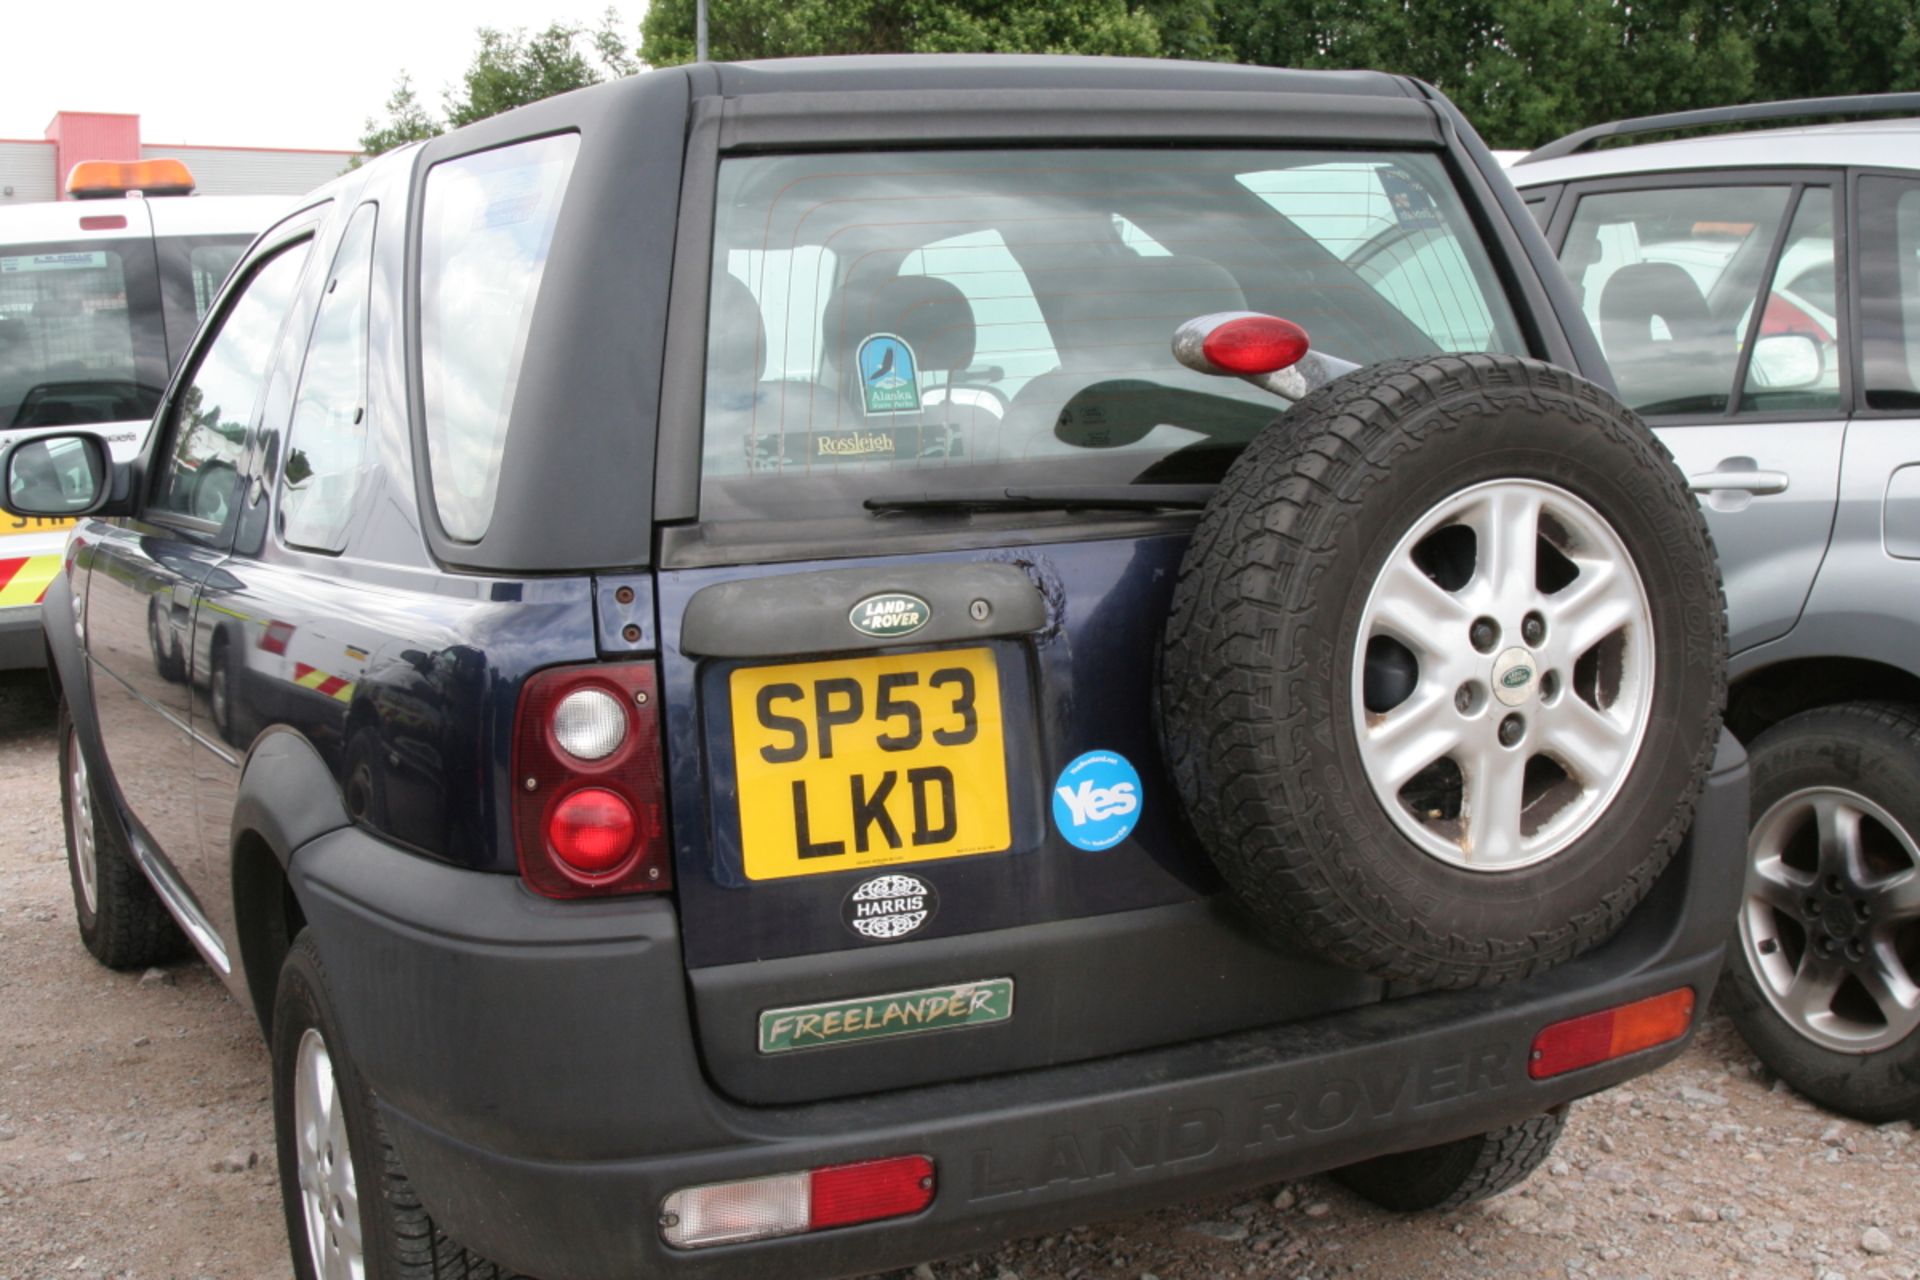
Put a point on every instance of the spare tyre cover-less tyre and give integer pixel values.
(1445, 667)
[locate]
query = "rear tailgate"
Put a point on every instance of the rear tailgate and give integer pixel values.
(905, 863)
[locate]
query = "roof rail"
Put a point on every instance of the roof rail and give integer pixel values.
(1747, 113)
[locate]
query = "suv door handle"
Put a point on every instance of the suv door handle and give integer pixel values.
(1738, 474)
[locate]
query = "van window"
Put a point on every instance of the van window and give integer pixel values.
(70, 341)
(488, 224)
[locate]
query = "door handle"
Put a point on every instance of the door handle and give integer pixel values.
(1746, 478)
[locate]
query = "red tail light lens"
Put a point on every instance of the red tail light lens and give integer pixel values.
(1255, 344)
(591, 830)
(852, 1193)
(586, 828)
(1611, 1033)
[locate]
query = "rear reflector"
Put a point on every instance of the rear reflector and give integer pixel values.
(789, 1204)
(1611, 1033)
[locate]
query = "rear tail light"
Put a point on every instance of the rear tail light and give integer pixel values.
(789, 1204)
(1611, 1033)
(589, 795)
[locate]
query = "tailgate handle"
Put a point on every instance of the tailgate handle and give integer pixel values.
(787, 614)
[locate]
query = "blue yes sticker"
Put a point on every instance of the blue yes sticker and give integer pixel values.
(1096, 801)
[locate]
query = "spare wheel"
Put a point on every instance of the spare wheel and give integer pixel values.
(1445, 669)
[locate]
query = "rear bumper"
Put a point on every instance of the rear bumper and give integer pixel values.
(23, 644)
(536, 1067)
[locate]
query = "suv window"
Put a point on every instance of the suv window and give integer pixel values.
(1669, 278)
(1890, 291)
(67, 337)
(1006, 317)
(212, 408)
(487, 227)
(327, 439)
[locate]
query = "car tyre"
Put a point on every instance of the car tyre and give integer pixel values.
(122, 921)
(1456, 1173)
(1335, 708)
(1823, 979)
(345, 1194)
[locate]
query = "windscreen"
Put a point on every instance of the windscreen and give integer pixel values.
(951, 321)
(75, 321)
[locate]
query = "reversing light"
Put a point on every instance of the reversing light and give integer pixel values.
(589, 724)
(1255, 344)
(790, 1204)
(1611, 1033)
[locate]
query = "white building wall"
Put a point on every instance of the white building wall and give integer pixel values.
(26, 173)
(237, 171)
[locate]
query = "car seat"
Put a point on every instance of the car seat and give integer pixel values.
(1696, 359)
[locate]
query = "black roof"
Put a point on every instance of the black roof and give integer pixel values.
(959, 71)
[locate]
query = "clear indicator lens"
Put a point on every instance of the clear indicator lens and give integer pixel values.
(589, 724)
(736, 1211)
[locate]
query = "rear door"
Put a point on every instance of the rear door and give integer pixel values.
(914, 762)
(1717, 301)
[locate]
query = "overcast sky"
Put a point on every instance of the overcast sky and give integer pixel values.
(220, 73)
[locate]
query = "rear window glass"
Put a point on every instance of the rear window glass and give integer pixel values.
(488, 225)
(932, 322)
(67, 338)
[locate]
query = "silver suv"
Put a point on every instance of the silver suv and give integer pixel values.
(1757, 294)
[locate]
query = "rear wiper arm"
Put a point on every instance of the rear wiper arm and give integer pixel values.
(1057, 497)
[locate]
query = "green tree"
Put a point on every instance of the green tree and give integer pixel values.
(510, 69)
(741, 29)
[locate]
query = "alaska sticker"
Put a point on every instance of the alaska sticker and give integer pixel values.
(889, 379)
(1096, 801)
(889, 907)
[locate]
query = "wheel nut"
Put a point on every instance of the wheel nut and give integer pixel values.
(1855, 951)
(1860, 908)
(1826, 946)
(1512, 729)
(1485, 633)
(1533, 628)
(1463, 699)
(1813, 906)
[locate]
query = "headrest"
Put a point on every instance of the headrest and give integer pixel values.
(1121, 315)
(736, 335)
(933, 316)
(1634, 295)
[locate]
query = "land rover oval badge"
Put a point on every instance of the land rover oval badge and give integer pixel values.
(884, 617)
(890, 906)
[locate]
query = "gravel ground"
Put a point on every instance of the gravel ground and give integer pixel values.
(136, 1141)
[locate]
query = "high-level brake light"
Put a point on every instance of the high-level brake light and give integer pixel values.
(1271, 353)
(1611, 1033)
(789, 1204)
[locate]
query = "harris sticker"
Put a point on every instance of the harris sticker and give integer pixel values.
(1096, 800)
(889, 378)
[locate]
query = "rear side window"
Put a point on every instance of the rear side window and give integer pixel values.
(68, 337)
(326, 444)
(1890, 292)
(488, 225)
(881, 323)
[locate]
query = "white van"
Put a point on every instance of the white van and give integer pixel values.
(98, 297)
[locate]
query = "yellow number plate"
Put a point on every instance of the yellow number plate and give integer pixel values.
(868, 762)
(11, 525)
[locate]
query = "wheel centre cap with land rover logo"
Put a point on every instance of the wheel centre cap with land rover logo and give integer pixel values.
(890, 906)
(1515, 675)
(892, 614)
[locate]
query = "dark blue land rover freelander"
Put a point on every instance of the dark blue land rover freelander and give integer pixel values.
(806, 666)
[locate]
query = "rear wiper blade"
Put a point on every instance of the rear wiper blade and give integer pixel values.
(1057, 497)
